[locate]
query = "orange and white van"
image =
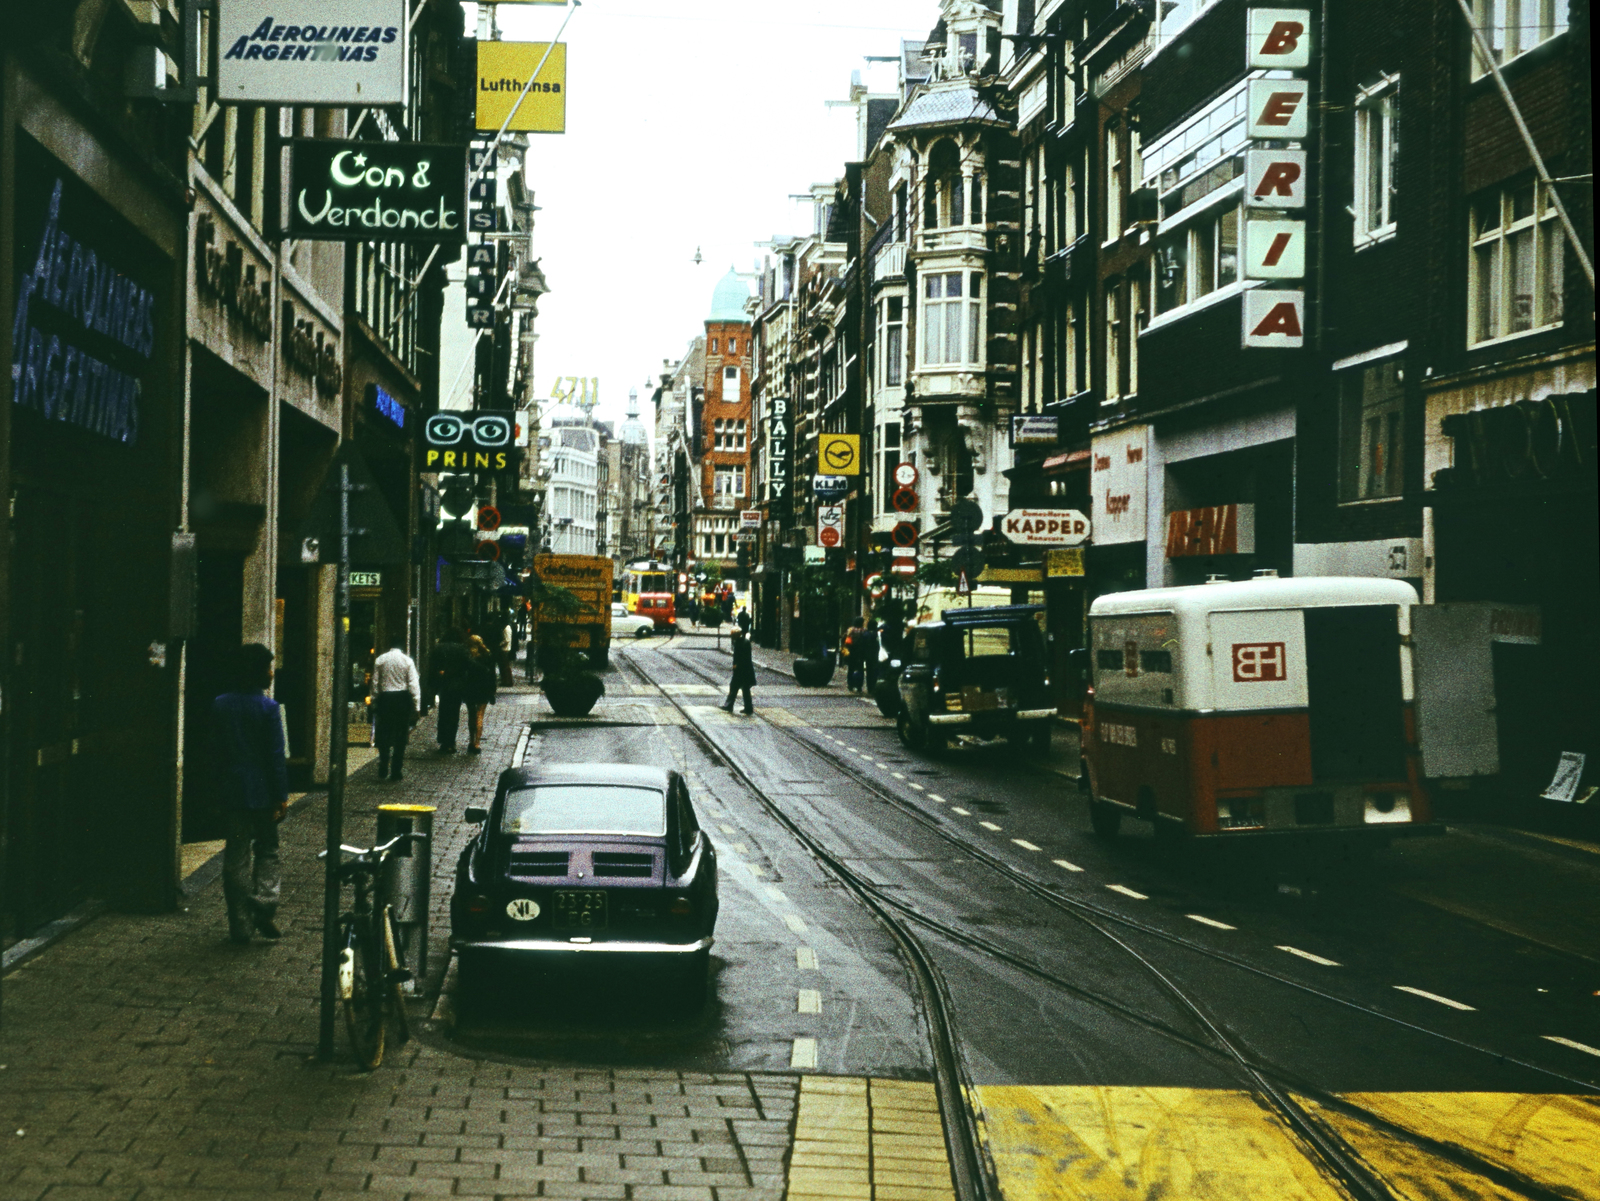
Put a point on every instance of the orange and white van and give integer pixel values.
(1263, 706)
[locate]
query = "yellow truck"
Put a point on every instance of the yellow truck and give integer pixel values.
(588, 577)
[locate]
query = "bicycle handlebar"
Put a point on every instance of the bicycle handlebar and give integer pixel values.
(376, 853)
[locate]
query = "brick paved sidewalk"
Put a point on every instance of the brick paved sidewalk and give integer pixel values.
(148, 1057)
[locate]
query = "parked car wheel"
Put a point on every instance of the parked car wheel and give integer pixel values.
(644, 631)
(907, 730)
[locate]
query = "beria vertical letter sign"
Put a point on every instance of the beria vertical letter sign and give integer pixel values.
(394, 191)
(325, 52)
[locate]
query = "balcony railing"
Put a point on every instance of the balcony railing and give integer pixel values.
(891, 262)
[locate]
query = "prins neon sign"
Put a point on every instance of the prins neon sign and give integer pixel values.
(376, 191)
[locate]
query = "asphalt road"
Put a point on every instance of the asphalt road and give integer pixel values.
(1099, 989)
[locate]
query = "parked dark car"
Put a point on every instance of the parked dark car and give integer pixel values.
(977, 672)
(590, 859)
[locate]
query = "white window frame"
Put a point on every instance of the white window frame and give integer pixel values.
(935, 337)
(1489, 251)
(1514, 27)
(1193, 239)
(727, 479)
(730, 373)
(1114, 174)
(1113, 344)
(1377, 151)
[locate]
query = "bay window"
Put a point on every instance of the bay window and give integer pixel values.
(1513, 27)
(951, 330)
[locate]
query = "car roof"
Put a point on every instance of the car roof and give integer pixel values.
(625, 775)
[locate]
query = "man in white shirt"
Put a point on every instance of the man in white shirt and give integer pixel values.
(397, 697)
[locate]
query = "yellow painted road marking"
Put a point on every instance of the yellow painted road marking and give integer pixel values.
(1310, 956)
(1062, 863)
(727, 829)
(1025, 844)
(808, 1000)
(878, 1140)
(1433, 996)
(1209, 921)
(805, 959)
(1567, 1042)
(740, 848)
(1127, 892)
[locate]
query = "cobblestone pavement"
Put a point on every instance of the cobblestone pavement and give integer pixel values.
(148, 1057)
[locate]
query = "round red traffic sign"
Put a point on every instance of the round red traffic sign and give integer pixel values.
(875, 585)
(903, 534)
(905, 474)
(904, 500)
(828, 536)
(488, 519)
(487, 550)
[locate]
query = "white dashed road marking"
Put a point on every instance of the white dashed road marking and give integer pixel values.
(1567, 1042)
(1025, 844)
(805, 959)
(1062, 863)
(1209, 921)
(1433, 996)
(792, 920)
(936, 798)
(960, 810)
(804, 1054)
(809, 1000)
(1312, 958)
(1127, 892)
(775, 893)
(989, 826)
(915, 785)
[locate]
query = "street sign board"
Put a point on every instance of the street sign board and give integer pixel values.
(903, 534)
(968, 559)
(830, 526)
(361, 191)
(750, 519)
(966, 516)
(904, 500)
(1046, 527)
(875, 585)
(338, 53)
(1035, 430)
(830, 487)
(905, 475)
(963, 584)
(488, 519)
(503, 69)
(839, 454)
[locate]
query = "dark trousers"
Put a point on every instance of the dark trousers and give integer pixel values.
(871, 666)
(392, 714)
(733, 689)
(449, 718)
(250, 881)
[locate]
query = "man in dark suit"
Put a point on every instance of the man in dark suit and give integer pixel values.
(744, 672)
(448, 669)
(252, 781)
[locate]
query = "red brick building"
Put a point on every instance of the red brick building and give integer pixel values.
(723, 426)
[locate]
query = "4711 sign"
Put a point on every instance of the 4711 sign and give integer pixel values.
(392, 191)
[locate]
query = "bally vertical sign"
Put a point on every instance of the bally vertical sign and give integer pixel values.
(1278, 111)
(780, 438)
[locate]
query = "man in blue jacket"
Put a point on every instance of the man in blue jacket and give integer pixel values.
(252, 780)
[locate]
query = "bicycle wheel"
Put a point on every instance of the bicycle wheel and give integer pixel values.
(361, 985)
(396, 975)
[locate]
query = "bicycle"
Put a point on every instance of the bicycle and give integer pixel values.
(371, 973)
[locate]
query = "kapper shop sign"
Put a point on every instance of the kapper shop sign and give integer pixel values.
(326, 52)
(394, 191)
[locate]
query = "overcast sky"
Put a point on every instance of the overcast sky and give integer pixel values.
(689, 123)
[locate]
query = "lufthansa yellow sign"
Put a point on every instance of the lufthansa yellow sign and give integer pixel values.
(503, 69)
(839, 454)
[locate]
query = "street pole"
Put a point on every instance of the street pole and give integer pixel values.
(338, 750)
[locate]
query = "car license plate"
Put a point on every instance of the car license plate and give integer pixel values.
(583, 911)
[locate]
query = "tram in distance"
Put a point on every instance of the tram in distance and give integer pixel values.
(647, 590)
(1261, 707)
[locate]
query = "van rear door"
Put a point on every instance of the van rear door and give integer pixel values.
(1357, 703)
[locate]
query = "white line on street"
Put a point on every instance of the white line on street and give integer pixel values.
(1127, 892)
(1567, 1042)
(793, 921)
(1209, 921)
(1433, 996)
(1062, 863)
(727, 829)
(805, 959)
(936, 798)
(881, 764)
(804, 1054)
(960, 810)
(809, 1000)
(756, 869)
(917, 786)
(989, 825)
(775, 893)
(740, 848)
(1313, 958)
(1025, 844)
(898, 775)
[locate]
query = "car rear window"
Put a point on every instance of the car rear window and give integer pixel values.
(585, 809)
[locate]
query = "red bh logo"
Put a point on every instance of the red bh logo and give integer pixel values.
(1259, 662)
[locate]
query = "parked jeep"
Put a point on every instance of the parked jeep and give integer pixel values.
(978, 672)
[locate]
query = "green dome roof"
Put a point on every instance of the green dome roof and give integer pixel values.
(727, 302)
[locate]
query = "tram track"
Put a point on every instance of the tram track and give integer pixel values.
(1273, 1086)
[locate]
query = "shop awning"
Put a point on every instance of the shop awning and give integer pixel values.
(1076, 460)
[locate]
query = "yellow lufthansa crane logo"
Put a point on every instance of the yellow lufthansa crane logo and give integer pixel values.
(839, 454)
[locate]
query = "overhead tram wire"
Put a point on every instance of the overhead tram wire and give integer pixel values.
(1322, 1142)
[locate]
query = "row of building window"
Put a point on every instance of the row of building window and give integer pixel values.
(729, 434)
(733, 348)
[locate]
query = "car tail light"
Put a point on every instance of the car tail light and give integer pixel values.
(478, 905)
(681, 907)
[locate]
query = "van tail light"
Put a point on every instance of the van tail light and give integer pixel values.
(681, 907)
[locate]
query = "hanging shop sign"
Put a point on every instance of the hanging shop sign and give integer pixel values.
(1213, 530)
(750, 519)
(1063, 562)
(467, 442)
(780, 441)
(1045, 527)
(839, 454)
(84, 328)
(345, 191)
(830, 526)
(1035, 430)
(1118, 482)
(830, 487)
(390, 407)
(504, 68)
(323, 52)
(1277, 110)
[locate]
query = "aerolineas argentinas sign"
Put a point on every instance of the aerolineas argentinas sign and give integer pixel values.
(376, 191)
(326, 52)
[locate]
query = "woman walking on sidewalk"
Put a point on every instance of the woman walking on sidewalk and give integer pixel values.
(481, 681)
(252, 780)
